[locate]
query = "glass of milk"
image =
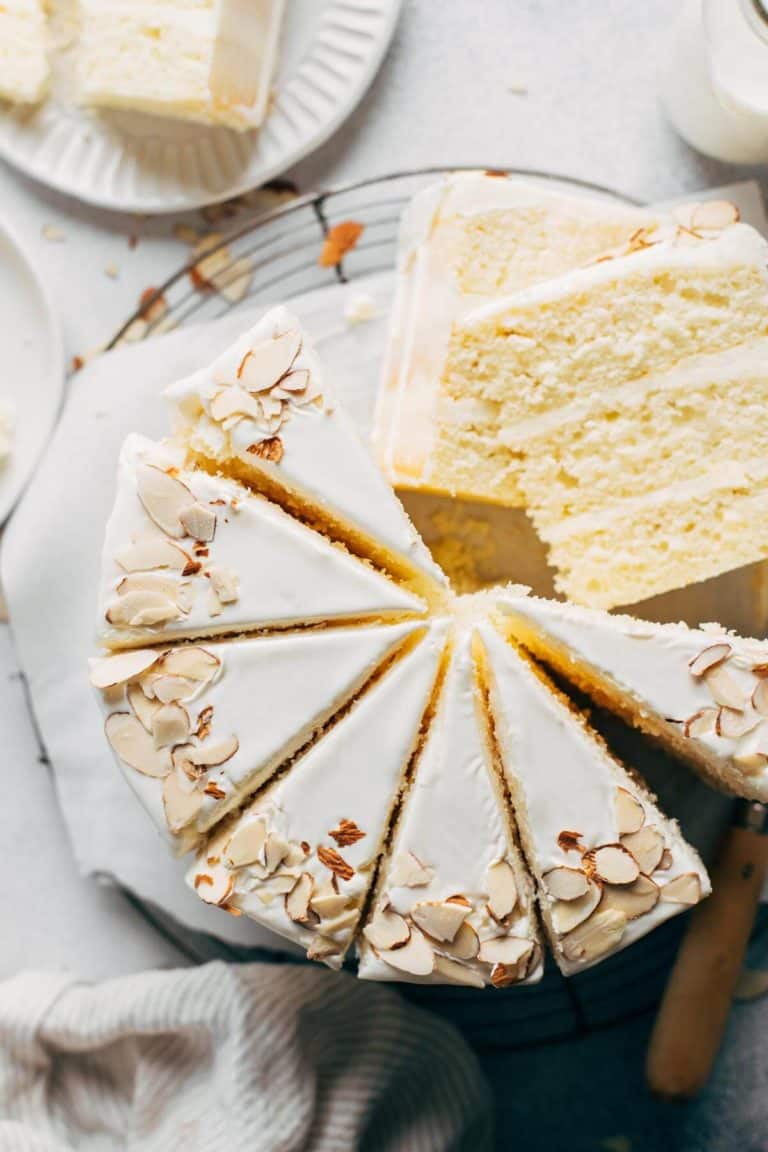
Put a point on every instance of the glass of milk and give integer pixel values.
(715, 82)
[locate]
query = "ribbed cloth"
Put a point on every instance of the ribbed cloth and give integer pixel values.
(256, 1057)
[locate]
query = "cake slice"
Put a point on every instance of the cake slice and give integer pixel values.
(701, 692)
(204, 60)
(454, 904)
(198, 727)
(471, 238)
(263, 412)
(608, 865)
(191, 554)
(302, 856)
(24, 70)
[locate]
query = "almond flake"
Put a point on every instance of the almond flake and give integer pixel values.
(501, 887)
(684, 889)
(131, 742)
(452, 972)
(144, 609)
(569, 841)
(346, 832)
(666, 861)
(270, 449)
(212, 788)
(732, 725)
(760, 698)
(149, 554)
(511, 951)
(750, 763)
(198, 522)
(191, 662)
(322, 948)
(180, 805)
(702, 723)
(407, 871)
(339, 240)
(713, 215)
(709, 658)
(417, 957)
(326, 901)
(234, 401)
(143, 708)
(295, 382)
(566, 883)
(214, 888)
(206, 755)
(439, 919)
(275, 852)
(597, 936)
(630, 814)
(297, 901)
(568, 914)
(646, 846)
(725, 690)
(387, 930)
(164, 497)
(246, 844)
(109, 671)
(335, 862)
(263, 366)
(204, 721)
(170, 725)
(613, 863)
(225, 583)
(632, 899)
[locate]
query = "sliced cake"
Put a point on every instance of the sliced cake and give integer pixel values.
(191, 554)
(702, 692)
(263, 413)
(454, 904)
(471, 238)
(609, 866)
(24, 70)
(198, 727)
(302, 856)
(203, 60)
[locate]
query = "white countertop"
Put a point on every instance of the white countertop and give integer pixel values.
(532, 84)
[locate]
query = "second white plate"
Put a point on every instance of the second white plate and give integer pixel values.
(330, 51)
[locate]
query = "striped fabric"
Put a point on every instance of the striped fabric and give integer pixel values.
(257, 1057)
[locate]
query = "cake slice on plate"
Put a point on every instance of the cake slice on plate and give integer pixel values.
(198, 727)
(263, 413)
(608, 865)
(701, 692)
(302, 856)
(24, 70)
(191, 554)
(454, 903)
(205, 60)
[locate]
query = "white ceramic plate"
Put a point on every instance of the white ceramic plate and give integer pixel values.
(330, 51)
(32, 374)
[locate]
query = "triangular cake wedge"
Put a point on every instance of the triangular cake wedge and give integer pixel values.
(701, 692)
(198, 727)
(610, 867)
(264, 413)
(301, 857)
(454, 903)
(188, 554)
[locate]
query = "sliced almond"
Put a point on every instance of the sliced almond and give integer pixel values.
(647, 847)
(439, 919)
(725, 690)
(281, 883)
(750, 763)
(198, 522)
(144, 708)
(143, 609)
(225, 583)
(597, 936)
(566, 883)
(632, 899)
(163, 497)
(246, 844)
(170, 725)
(297, 900)
(509, 950)
(713, 215)
(161, 583)
(111, 670)
(407, 871)
(454, 973)
(135, 747)
(265, 364)
(684, 889)
(666, 861)
(614, 863)
(465, 944)
(335, 862)
(568, 914)
(322, 948)
(275, 851)
(709, 658)
(732, 725)
(206, 755)
(214, 887)
(341, 923)
(181, 806)
(505, 975)
(702, 723)
(296, 854)
(295, 382)
(387, 930)
(501, 887)
(234, 401)
(346, 832)
(760, 697)
(155, 553)
(327, 902)
(630, 814)
(417, 957)
(170, 689)
(191, 662)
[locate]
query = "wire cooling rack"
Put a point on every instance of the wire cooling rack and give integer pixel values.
(279, 252)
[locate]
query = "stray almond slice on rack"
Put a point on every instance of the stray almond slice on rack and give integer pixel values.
(512, 951)
(387, 930)
(465, 944)
(170, 725)
(708, 659)
(198, 522)
(214, 887)
(439, 919)
(702, 723)
(613, 863)
(455, 973)
(340, 239)
(144, 708)
(152, 553)
(630, 814)
(134, 745)
(566, 883)
(297, 900)
(246, 844)
(164, 497)
(181, 806)
(647, 847)
(725, 690)
(502, 889)
(568, 914)
(597, 936)
(108, 671)
(264, 365)
(407, 871)
(417, 957)
(632, 899)
(685, 889)
(143, 609)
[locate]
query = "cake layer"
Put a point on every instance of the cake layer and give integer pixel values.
(187, 554)
(454, 903)
(263, 412)
(302, 857)
(609, 866)
(24, 71)
(199, 727)
(466, 240)
(203, 60)
(701, 692)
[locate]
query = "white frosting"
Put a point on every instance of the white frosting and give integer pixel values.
(452, 823)
(354, 773)
(7, 422)
(273, 694)
(324, 460)
(285, 573)
(565, 780)
(650, 663)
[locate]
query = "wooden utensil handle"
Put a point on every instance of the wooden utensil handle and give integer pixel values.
(694, 1010)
